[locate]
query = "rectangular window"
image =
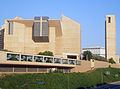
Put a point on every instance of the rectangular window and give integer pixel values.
(23, 57)
(48, 60)
(38, 59)
(71, 57)
(72, 62)
(78, 62)
(57, 60)
(64, 61)
(36, 18)
(10, 27)
(12, 57)
(44, 28)
(36, 28)
(45, 18)
(109, 20)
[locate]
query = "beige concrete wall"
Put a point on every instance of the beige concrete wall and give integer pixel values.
(71, 36)
(3, 56)
(15, 41)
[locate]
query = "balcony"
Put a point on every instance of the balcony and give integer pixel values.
(38, 60)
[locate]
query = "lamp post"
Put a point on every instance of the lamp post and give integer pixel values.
(41, 83)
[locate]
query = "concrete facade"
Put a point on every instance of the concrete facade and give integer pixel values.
(63, 36)
(110, 38)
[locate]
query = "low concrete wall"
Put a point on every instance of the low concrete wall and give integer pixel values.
(115, 66)
(101, 64)
(87, 65)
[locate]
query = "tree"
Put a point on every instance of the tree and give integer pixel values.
(87, 55)
(111, 61)
(46, 53)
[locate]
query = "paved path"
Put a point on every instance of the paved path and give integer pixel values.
(115, 85)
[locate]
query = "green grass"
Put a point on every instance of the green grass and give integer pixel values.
(60, 80)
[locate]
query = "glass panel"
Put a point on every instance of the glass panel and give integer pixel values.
(37, 29)
(78, 62)
(48, 59)
(29, 58)
(64, 61)
(72, 62)
(23, 57)
(38, 59)
(10, 27)
(57, 60)
(44, 28)
(14, 57)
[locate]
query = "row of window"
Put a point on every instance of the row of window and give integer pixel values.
(16, 57)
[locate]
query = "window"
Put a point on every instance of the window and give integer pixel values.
(13, 57)
(23, 57)
(109, 20)
(29, 58)
(71, 56)
(78, 63)
(38, 59)
(64, 61)
(57, 60)
(72, 62)
(48, 59)
(10, 27)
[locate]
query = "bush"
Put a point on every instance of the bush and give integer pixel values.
(46, 53)
(99, 58)
(111, 61)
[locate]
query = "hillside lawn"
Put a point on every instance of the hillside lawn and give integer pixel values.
(61, 80)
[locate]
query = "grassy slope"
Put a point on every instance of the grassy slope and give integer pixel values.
(59, 80)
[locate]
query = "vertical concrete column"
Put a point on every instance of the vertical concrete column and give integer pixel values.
(13, 69)
(26, 69)
(78, 57)
(37, 69)
(19, 57)
(61, 61)
(32, 58)
(43, 59)
(53, 59)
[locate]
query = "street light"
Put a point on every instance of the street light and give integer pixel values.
(41, 83)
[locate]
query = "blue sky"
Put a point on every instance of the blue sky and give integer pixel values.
(89, 13)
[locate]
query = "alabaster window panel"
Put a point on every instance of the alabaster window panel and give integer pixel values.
(10, 27)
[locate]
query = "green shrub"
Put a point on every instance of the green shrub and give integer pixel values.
(46, 53)
(111, 61)
(99, 58)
